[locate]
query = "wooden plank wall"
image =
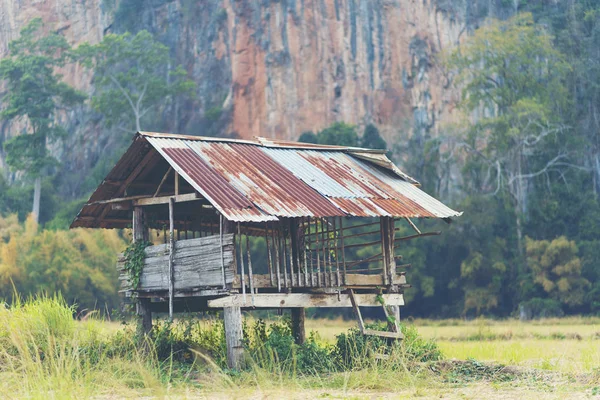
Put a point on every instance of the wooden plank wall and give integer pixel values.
(197, 264)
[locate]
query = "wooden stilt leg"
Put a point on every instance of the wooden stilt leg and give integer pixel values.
(232, 317)
(298, 316)
(143, 310)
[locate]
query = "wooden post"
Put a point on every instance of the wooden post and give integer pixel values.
(140, 229)
(318, 250)
(343, 250)
(384, 248)
(298, 316)
(391, 230)
(232, 317)
(243, 270)
(143, 310)
(171, 257)
(309, 253)
(221, 228)
(140, 233)
(276, 243)
(391, 234)
(294, 251)
(269, 260)
(250, 276)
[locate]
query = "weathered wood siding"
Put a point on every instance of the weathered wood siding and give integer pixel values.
(197, 264)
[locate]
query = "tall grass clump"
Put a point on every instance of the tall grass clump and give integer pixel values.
(45, 352)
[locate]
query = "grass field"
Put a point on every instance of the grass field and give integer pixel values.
(570, 345)
(45, 354)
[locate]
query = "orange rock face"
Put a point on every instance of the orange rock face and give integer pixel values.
(285, 66)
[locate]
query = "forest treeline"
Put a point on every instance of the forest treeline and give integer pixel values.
(522, 161)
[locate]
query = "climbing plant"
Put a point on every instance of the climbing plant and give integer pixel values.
(134, 261)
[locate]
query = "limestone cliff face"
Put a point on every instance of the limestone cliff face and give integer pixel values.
(274, 68)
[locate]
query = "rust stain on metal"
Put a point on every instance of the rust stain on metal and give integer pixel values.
(211, 182)
(263, 179)
(300, 194)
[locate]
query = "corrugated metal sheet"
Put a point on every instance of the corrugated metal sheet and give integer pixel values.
(264, 180)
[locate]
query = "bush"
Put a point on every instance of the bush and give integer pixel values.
(355, 350)
(540, 308)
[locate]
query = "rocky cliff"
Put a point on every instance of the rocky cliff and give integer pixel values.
(273, 68)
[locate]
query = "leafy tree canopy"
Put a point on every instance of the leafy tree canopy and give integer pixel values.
(557, 269)
(133, 75)
(34, 94)
(371, 138)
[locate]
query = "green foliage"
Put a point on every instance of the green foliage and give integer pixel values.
(33, 94)
(355, 350)
(557, 269)
(78, 263)
(541, 308)
(371, 138)
(133, 78)
(63, 218)
(308, 137)
(134, 261)
(213, 114)
(339, 134)
(178, 341)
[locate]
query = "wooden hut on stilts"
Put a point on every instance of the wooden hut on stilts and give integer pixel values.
(312, 205)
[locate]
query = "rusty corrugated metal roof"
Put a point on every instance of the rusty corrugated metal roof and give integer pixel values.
(264, 180)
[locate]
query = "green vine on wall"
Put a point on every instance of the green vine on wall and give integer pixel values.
(134, 261)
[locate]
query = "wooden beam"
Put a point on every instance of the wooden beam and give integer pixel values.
(119, 199)
(151, 201)
(151, 153)
(162, 181)
(306, 300)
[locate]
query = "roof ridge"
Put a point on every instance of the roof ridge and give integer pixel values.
(263, 142)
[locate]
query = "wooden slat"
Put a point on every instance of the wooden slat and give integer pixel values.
(385, 334)
(196, 263)
(305, 300)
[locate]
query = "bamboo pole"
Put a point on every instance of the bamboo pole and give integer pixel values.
(284, 258)
(318, 250)
(337, 259)
(323, 239)
(291, 231)
(329, 258)
(242, 263)
(308, 245)
(343, 249)
(171, 258)
(250, 269)
(276, 243)
(222, 251)
(383, 251)
(269, 261)
(304, 249)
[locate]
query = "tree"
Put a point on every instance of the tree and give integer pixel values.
(78, 263)
(513, 86)
(557, 269)
(308, 137)
(371, 138)
(339, 134)
(34, 95)
(133, 76)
